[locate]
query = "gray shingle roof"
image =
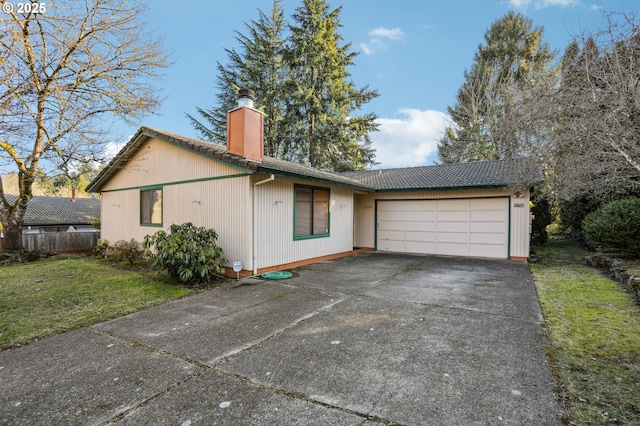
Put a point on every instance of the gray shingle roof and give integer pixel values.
(499, 173)
(42, 211)
(269, 165)
(481, 174)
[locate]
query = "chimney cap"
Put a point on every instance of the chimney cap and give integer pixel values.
(245, 98)
(246, 93)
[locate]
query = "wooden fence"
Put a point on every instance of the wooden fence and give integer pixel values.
(61, 242)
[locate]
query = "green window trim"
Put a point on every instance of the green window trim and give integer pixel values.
(151, 207)
(311, 213)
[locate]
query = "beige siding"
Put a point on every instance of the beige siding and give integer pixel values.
(274, 223)
(194, 189)
(218, 204)
(157, 162)
(520, 225)
(364, 219)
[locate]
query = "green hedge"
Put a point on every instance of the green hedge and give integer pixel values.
(615, 226)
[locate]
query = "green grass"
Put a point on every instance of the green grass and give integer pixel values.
(61, 293)
(594, 331)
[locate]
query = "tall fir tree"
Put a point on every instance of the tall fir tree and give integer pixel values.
(301, 82)
(486, 118)
(327, 133)
(258, 65)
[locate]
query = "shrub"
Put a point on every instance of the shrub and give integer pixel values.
(101, 248)
(541, 211)
(188, 253)
(127, 250)
(573, 211)
(615, 226)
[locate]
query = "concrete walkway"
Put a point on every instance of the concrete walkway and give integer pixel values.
(371, 339)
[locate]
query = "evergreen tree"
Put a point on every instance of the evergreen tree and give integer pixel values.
(301, 83)
(487, 117)
(326, 132)
(259, 66)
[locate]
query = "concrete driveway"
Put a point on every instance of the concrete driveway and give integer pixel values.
(370, 339)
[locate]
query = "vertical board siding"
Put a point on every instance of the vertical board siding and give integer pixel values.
(520, 228)
(157, 162)
(194, 189)
(275, 223)
(218, 204)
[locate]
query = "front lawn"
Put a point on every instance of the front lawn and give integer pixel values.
(70, 291)
(594, 331)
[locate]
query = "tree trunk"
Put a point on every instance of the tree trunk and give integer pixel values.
(12, 235)
(12, 228)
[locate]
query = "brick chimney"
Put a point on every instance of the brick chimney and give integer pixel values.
(245, 134)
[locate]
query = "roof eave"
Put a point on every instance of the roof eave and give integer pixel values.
(267, 169)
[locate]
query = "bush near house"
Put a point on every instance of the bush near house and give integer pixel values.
(615, 226)
(188, 253)
(127, 250)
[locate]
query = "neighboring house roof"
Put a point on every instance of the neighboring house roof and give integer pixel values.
(499, 173)
(48, 211)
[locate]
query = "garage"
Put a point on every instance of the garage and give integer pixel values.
(476, 227)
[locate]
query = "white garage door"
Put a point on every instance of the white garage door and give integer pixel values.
(465, 227)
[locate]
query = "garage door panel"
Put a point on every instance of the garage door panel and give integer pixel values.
(421, 206)
(421, 236)
(391, 235)
(420, 226)
(453, 237)
(487, 238)
(391, 245)
(420, 247)
(391, 226)
(396, 206)
(453, 205)
(391, 215)
(453, 216)
(487, 203)
(488, 215)
(453, 249)
(485, 250)
(452, 226)
(421, 216)
(489, 227)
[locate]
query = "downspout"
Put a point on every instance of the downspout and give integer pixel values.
(254, 237)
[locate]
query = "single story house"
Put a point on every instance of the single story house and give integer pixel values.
(272, 214)
(59, 214)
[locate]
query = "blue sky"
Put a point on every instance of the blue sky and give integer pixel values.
(414, 52)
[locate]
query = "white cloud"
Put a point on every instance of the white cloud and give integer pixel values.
(409, 141)
(394, 34)
(378, 35)
(541, 4)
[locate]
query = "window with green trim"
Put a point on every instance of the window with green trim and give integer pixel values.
(311, 212)
(151, 207)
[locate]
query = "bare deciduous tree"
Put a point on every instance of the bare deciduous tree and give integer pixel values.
(596, 110)
(66, 72)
